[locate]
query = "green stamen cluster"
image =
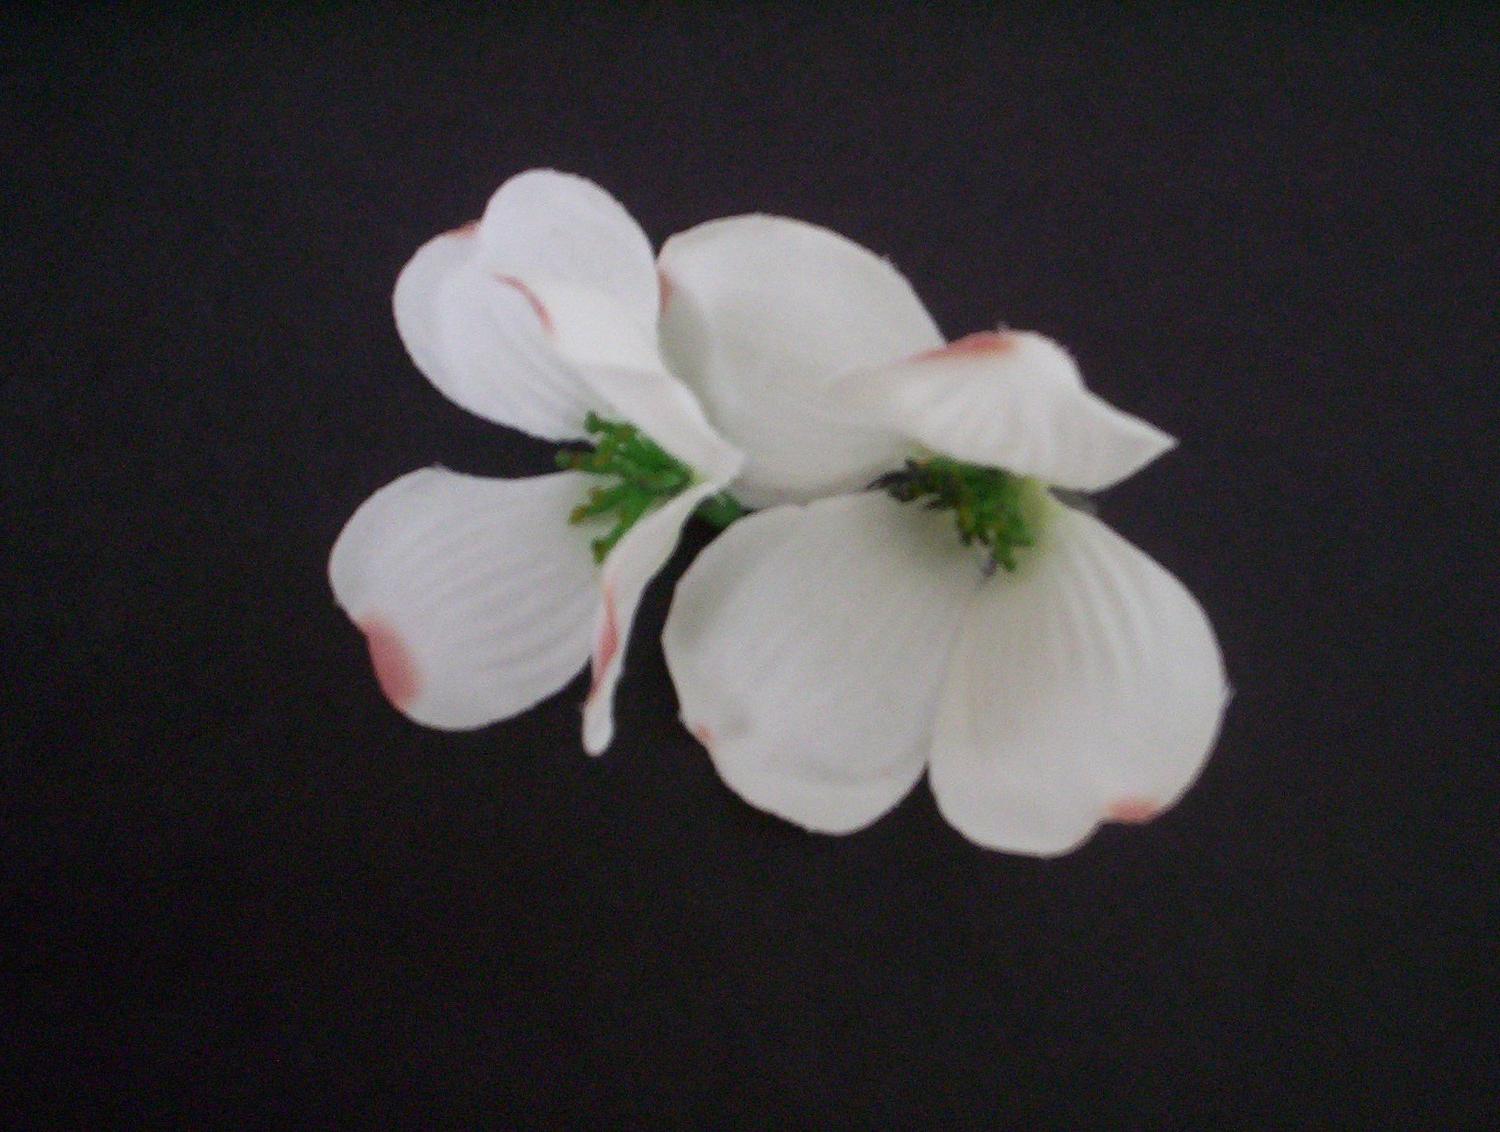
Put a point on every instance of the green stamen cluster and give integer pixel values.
(993, 508)
(645, 476)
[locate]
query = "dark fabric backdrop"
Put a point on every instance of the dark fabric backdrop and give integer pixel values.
(237, 883)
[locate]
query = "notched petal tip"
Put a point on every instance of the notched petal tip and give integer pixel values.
(543, 315)
(984, 342)
(1132, 811)
(395, 669)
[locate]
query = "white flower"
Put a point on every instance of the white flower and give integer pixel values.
(826, 652)
(479, 597)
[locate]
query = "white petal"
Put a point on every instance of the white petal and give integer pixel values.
(1012, 400)
(762, 313)
(563, 352)
(808, 646)
(415, 298)
(485, 341)
(1086, 687)
(583, 262)
(476, 594)
(548, 313)
(625, 378)
(628, 569)
(555, 228)
(666, 411)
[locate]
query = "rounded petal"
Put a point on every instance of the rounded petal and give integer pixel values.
(763, 314)
(546, 311)
(415, 299)
(584, 265)
(543, 226)
(486, 341)
(476, 594)
(562, 353)
(808, 646)
(1012, 400)
(1086, 687)
(627, 572)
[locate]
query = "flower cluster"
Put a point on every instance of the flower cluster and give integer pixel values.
(904, 582)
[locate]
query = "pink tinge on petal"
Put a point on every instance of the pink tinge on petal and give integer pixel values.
(981, 342)
(465, 229)
(665, 285)
(703, 733)
(394, 667)
(608, 642)
(1132, 811)
(536, 304)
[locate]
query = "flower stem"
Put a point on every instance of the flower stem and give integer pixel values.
(721, 510)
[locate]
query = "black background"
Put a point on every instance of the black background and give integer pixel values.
(240, 884)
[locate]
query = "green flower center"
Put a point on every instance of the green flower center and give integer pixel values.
(1000, 511)
(644, 477)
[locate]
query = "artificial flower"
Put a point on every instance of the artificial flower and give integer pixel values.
(1048, 675)
(480, 597)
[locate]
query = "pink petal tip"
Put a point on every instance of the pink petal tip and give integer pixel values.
(540, 310)
(394, 667)
(665, 286)
(607, 644)
(1132, 811)
(983, 342)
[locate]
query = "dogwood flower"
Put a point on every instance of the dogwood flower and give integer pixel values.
(1047, 674)
(480, 597)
